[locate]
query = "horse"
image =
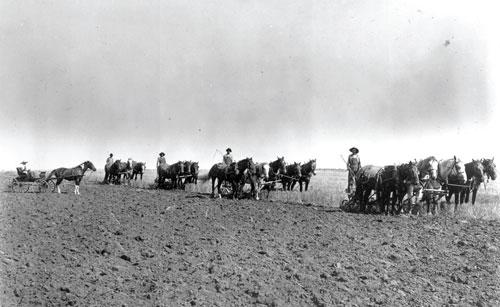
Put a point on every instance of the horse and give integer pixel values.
(107, 167)
(307, 170)
(138, 168)
(453, 170)
(118, 169)
(475, 173)
(194, 171)
(490, 169)
(428, 168)
(292, 173)
(261, 174)
(368, 179)
(171, 172)
(276, 168)
(232, 173)
(388, 188)
(187, 172)
(408, 182)
(71, 174)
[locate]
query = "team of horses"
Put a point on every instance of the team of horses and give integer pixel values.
(427, 181)
(117, 171)
(261, 175)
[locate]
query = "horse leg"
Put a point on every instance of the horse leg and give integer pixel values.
(256, 187)
(474, 193)
(213, 186)
(57, 184)
(307, 184)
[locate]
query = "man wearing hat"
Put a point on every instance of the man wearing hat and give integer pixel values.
(22, 169)
(228, 157)
(353, 166)
(161, 160)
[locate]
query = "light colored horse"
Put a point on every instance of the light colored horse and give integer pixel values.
(451, 167)
(454, 169)
(261, 174)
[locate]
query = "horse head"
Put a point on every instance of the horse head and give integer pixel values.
(180, 167)
(490, 168)
(312, 164)
(432, 168)
(187, 166)
(278, 166)
(264, 170)
(476, 170)
(409, 172)
(87, 165)
(195, 168)
(454, 167)
(294, 170)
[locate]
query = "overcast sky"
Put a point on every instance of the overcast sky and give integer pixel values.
(300, 79)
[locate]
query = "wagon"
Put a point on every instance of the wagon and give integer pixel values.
(25, 182)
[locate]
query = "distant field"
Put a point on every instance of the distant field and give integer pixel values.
(326, 188)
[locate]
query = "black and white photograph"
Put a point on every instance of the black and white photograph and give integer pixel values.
(249, 153)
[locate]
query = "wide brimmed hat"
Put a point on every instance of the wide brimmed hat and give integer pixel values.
(229, 149)
(24, 162)
(354, 150)
(162, 153)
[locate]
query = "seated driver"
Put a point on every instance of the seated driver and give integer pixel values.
(23, 172)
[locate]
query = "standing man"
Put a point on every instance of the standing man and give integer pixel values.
(353, 166)
(107, 167)
(228, 157)
(160, 162)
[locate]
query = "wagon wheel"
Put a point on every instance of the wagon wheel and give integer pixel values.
(51, 185)
(43, 185)
(19, 186)
(226, 189)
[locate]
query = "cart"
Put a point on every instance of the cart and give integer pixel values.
(23, 183)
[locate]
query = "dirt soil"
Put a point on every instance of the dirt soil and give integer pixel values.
(119, 246)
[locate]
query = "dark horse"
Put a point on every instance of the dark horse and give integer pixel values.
(276, 168)
(187, 173)
(490, 168)
(388, 188)
(307, 170)
(234, 174)
(292, 173)
(368, 179)
(195, 171)
(172, 172)
(408, 183)
(118, 169)
(475, 175)
(138, 168)
(71, 174)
